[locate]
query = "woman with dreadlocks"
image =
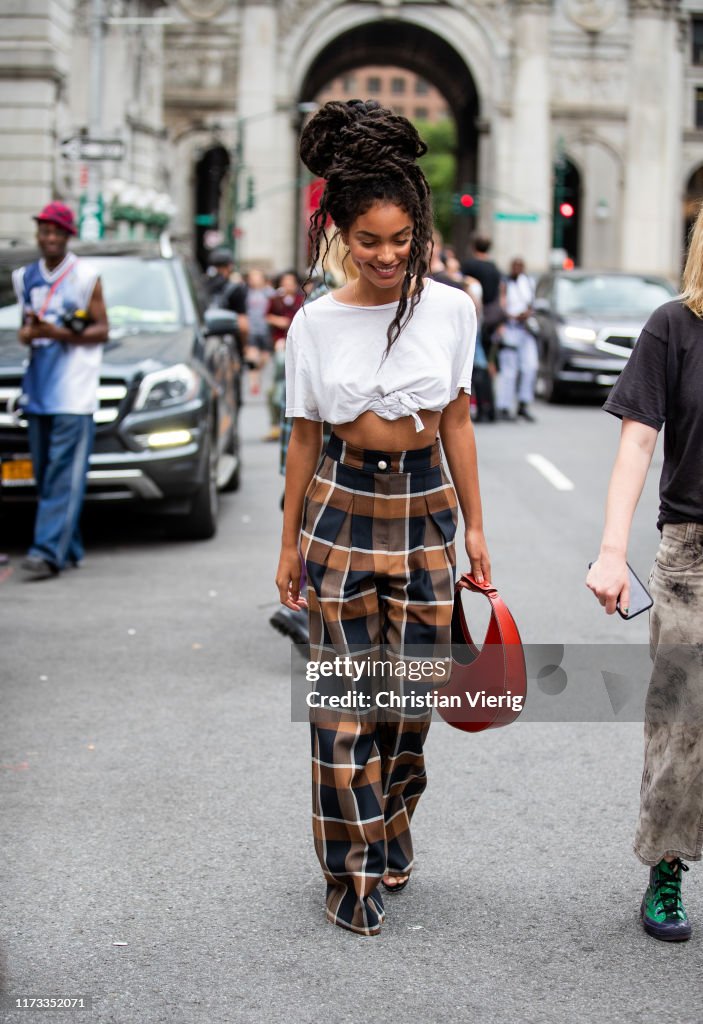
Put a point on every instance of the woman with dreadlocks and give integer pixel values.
(386, 359)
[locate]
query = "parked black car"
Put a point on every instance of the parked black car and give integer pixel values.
(586, 324)
(167, 423)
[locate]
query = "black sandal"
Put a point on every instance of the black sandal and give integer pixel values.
(395, 888)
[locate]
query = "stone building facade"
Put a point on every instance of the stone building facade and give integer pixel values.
(600, 99)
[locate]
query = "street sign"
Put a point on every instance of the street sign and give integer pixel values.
(526, 218)
(80, 147)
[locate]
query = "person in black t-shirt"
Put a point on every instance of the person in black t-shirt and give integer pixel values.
(225, 293)
(482, 267)
(662, 385)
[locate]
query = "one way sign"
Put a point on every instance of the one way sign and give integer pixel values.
(80, 147)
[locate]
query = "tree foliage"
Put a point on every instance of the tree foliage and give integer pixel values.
(439, 165)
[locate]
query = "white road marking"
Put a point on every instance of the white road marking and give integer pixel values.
(550, 472)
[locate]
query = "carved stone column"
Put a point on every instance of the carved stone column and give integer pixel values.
(265, 142)
(524, 145)
(652, 214)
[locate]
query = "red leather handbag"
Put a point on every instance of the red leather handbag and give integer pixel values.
(491, 681)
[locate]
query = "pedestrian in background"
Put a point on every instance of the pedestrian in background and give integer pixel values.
(437, 267)
(662, 385)
(517, 347)
(260, 342)
(226, 290)
(337, 270)
(64, 324)
(480, 266)
(387, 361)
(282, 307)
(445, 268)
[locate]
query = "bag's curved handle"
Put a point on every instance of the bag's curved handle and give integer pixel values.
(502, 628)
(499, 665)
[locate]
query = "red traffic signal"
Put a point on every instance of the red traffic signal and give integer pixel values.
(566, 210)
(467, 201)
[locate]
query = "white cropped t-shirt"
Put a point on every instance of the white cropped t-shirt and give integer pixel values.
(335, 369)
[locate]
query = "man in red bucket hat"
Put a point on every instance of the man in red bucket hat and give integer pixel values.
(64, 323)
(60, 215)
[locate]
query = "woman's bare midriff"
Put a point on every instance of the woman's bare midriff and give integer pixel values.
(373, 432)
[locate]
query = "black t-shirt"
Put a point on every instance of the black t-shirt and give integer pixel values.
(487, 273)
(228, 294)
(662, 384)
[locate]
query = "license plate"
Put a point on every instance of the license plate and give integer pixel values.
(17, 471)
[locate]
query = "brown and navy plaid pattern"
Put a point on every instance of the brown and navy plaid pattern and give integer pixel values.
(378, 543)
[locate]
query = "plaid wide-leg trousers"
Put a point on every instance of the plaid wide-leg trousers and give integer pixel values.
(378, 543)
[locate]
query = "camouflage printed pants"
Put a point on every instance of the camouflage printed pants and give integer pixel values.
(671, 800)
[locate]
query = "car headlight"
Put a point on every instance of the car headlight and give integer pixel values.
(581, 334)
(163, 388)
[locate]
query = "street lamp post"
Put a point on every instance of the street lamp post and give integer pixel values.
(238, 158)
(91, 213)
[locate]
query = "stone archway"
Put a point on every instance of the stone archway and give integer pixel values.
(464, 54)
(414, 47)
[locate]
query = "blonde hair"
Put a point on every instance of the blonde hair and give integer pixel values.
(336, 262)
(692, 295)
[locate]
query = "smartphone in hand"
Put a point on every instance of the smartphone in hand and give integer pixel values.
(640, 598)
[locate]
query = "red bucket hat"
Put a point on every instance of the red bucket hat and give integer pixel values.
(60, 215)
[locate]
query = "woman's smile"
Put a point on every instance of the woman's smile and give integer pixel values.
(379, 242)
(386, 271)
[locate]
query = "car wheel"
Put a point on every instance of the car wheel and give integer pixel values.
(201, 522)
(552, 390)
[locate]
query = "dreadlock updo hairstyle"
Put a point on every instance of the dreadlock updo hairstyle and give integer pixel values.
(367, 154)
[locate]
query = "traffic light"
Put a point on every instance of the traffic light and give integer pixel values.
(464, 203)
(566, 210)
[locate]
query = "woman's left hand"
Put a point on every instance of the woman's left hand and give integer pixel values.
(477, 550)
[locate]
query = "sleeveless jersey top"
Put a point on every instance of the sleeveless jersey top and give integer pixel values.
(60, 377)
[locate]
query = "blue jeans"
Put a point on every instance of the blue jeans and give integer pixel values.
(60, 447)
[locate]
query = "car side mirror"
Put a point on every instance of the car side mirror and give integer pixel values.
(220, 322)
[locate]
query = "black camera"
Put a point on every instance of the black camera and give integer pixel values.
(75, 320)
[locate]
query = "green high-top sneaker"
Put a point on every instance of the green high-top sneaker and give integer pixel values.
(662, 911)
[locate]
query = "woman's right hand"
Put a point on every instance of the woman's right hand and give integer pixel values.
(608, 578)
(288, 579)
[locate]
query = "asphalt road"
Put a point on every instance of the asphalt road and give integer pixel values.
(156, 852)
